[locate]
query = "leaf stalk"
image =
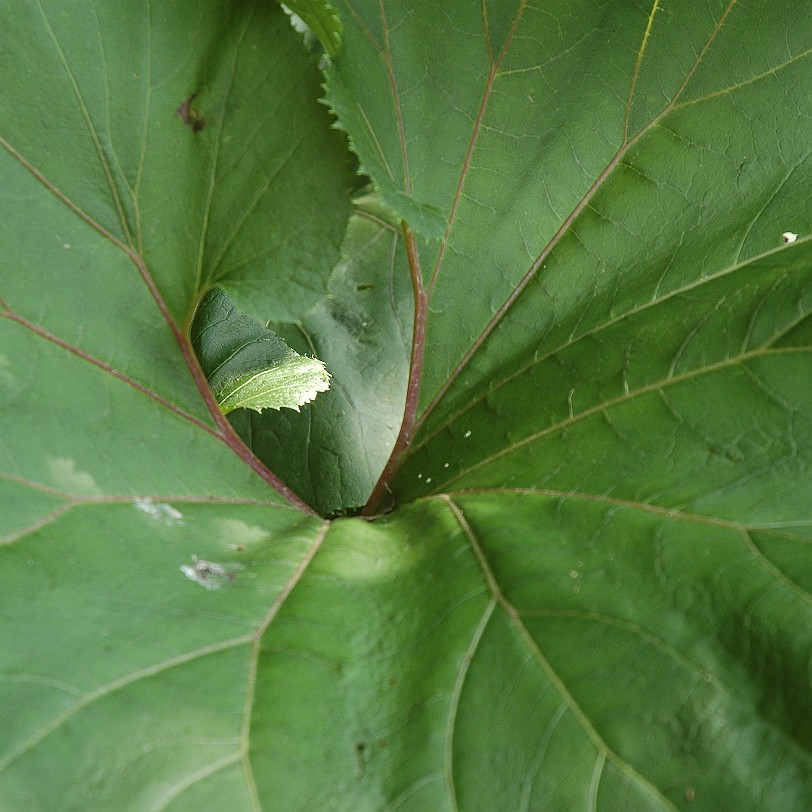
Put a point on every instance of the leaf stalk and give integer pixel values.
(415, 372)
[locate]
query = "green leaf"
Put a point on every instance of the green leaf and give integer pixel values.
(584, 163)
(363, 332)
(593, 586)
(321, 18)
(180, 133)
(249, 366)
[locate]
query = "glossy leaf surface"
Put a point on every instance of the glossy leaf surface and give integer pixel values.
(593, 589)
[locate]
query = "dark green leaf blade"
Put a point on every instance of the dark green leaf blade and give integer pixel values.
(363, 334)
(697, 401)
(110, 635)
(562, 148)
(606, 603)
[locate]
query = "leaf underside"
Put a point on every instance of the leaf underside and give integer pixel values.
(595, 588)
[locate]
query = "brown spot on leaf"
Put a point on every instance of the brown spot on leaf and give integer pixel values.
(361, 761)
(190, 115)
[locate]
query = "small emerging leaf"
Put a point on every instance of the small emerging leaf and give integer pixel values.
(321, 18)
(247, 365)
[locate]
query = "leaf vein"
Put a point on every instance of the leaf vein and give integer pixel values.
(109, 370)
(477, 125)
(574, 337)
(656, 386)
(253, 663)
(546, 667)
(456, 693)
(89, 123)
(113, 686)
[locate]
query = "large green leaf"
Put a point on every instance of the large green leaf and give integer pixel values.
(584, 162)
(593, 590)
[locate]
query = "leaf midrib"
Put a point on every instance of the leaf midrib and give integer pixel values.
(625, 146)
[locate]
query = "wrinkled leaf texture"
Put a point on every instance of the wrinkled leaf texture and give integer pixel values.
(594, 589)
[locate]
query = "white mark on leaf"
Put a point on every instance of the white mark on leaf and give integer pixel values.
(467, 434)
(159, 511)
(789, 237)
(69, 478)
(239, 535)
(210, 574)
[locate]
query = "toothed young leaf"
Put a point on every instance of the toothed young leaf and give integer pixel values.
(247, 365)
(321, 18)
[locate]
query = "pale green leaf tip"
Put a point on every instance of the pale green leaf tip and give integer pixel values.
(288, 385)
(247, 365)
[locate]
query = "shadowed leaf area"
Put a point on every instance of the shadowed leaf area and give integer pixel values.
(566, 301)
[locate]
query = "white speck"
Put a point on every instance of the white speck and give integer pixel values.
(428, 479)
(789, 237)
(209, 574)
(467, 434)
(445, 465)
(420, 476)
(66, 245)
(159, 511)
(573, 573)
